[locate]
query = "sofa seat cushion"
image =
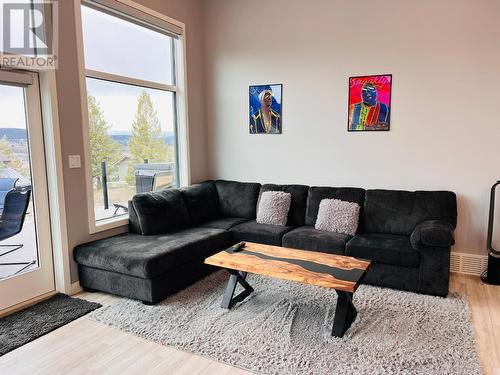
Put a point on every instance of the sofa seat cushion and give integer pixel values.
(308, 238)
(224, 223)
(261, 233)
(384, 248)
(150, 256)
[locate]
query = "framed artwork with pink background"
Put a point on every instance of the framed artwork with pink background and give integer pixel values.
(370, 103)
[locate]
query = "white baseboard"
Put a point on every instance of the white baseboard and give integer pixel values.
(469, 264)
(75, 288)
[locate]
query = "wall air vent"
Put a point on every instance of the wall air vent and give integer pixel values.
(470, 264)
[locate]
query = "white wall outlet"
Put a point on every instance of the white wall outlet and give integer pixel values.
(74, 161)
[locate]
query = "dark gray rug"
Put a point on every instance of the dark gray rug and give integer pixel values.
(284, 328)
(24, 326)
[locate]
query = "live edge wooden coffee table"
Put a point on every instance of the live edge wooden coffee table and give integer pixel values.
(337, 272)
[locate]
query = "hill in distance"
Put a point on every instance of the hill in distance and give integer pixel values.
(118, 136)
(14, 133)
(123, 137)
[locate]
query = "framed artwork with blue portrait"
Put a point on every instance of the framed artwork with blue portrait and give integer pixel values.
(265, 109)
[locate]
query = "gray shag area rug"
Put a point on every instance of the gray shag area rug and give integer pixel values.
(27, 325)
(285, 328)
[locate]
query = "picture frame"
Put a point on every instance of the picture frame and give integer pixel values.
(265, 108)
(369, 103)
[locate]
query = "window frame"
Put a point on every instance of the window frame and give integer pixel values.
(128, 9)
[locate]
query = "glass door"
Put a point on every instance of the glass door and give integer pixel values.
(26, 267)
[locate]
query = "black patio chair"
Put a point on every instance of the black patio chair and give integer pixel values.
(11, 222)
(6, 185)
(159, 181)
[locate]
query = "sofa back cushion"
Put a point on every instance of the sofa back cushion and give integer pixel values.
(296, 215)
(160, 212)
(399, 212)
(238, 199)
(317, 193)
(202, 202)
(133, 220)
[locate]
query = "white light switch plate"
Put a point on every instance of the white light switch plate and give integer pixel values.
(74, 161)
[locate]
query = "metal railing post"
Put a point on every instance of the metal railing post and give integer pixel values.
(104, 185)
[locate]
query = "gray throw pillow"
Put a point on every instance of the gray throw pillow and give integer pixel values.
(273, 207)
(338, 216)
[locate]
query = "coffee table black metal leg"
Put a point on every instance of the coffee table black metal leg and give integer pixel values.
(345, 313)
(236, 278)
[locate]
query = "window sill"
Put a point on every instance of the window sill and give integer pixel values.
(108, 224)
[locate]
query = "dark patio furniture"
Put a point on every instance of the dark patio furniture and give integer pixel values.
(6, 185)
(148, 182)
(11, 223)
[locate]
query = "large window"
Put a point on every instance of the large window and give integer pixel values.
(132, 78)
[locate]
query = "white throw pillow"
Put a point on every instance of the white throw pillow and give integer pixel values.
(273, 207)
(338, 216)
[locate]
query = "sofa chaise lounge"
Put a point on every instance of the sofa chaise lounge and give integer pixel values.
(407, 236)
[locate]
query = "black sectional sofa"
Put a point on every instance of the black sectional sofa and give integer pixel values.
(407, 235)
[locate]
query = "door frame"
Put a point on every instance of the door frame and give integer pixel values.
(55, 184)
(57, 201)
(40, 280)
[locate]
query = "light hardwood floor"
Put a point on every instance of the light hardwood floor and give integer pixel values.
(87, 347)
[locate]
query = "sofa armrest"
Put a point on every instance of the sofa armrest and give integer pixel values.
(434, 270)
(432, 233)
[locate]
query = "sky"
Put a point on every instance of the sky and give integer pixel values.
(108, 42)
(12, 107)
(119, 104)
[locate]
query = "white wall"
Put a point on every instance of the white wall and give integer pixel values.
(445, 130)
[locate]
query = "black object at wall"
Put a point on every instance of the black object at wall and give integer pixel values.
(492, 275)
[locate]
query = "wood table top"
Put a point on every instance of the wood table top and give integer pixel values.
(309, 267)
